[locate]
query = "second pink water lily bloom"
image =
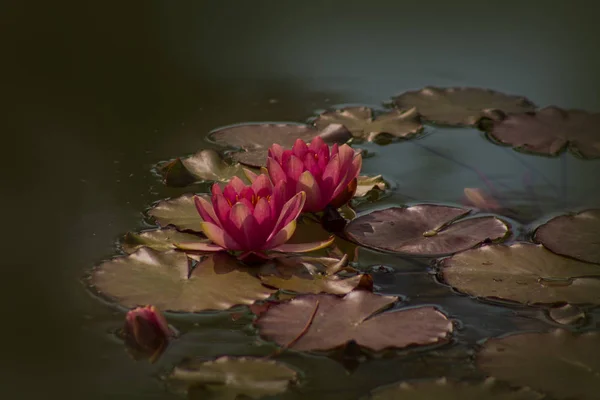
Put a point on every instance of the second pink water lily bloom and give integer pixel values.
(250, 219)
(328, 176)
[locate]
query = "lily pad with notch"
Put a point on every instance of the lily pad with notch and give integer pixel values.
(362, 123)
(549, 131)
(172, 281)
(179, 212)
(574, 235)
(232, 377)
(325, 321)
(157, 239)
(461, 106)
(522, 272)
(424, 230)
(559, 363)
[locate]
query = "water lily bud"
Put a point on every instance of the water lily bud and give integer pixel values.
(146, 332)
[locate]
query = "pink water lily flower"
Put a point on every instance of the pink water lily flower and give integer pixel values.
(327, 177)
(251, 219)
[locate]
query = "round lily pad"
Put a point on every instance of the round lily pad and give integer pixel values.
(549, 131)
(173, 282)
(157, 239)
(461, 106)
(574, 235)
(424, 230)
(443, 389)
(231, 377)
(363, 125)
(179, 212)
(324, 321)
(559, 363)
(522, 272)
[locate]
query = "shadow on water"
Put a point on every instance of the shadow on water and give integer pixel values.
(96, 94)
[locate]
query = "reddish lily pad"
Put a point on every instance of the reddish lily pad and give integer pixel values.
(255, 139)
(312, 275)
(157, 239)
(443, 389)
(232, 377)
(574, 235)
(549, 131)
(523, 272)
(561, 364)
(205, 165)
(168, 281)
(461, 106)
(361, 123)
(179, 212)
(424, 230)
(324, 321)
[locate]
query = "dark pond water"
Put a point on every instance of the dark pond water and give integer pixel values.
(96, 94)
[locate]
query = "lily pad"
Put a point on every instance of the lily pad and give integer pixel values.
(567, 314)
(424, 230)
(523, 272)
(442, 389)
(575, 235)
(179, 212)
(549, 131)
(205, 165)
(157, 239)
(369, 184)
(312, 275)
(558, 363)
(170, 281)
(230, 377)
(255, 139)
(361, 123)
(461, 106)
(324, 321)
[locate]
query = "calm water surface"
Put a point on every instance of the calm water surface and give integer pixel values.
(96, 94)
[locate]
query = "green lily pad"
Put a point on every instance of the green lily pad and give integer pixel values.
(522, 272)
(255, 139)
(424, 230)
(549, 131)
(324, 321)
(179, 212)
(312, 275)
(442, 389)
(361, 123)
(173, 282)
(231, 377)
(461, 106)
(205, 165)
(157, 239)
(574, 235)
(370, 184)
(561, 364)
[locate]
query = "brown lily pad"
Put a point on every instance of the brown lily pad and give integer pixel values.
(363, 125)
(424, 230)
(168, 281)
(559, 363)
(157, 239)
(443, 389)
(522, 272)
(179, 212)
(574, 235)
(205, 165)
(324, 321)
(566, 314)
(312, 275)
(231, 377)
(461, 106)
(549, 131)
(255, 139)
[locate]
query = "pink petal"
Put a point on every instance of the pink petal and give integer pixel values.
(281, 237)
(198, 246)
(216, 189)
(294, 168)
(303, 247)
(275, 171)
(230, 194)
(262, 213)
(254, 237)
(300, 149)
(219, 237)
(237, 184)
(334, 150)
(346, 154)
(351, 173)
(311, 164)
(206, 210)
(317, 144)
(278, 198)
(251, 176)
(323, 157)
(248, 194)
(289, 212)
(237, 217)
(314, 201)
(331, 178)
(275, 152)
(222, 208)
(262, 186)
